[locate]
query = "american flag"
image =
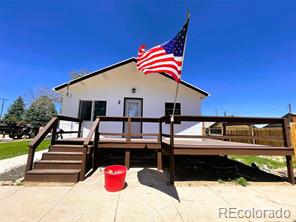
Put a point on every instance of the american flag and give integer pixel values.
(165, 58)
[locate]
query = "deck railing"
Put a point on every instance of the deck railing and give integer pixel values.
(95, 132)
(237, 121)
(229, 120)
(129, 120)
(52, 127)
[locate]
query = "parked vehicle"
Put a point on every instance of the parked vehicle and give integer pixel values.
(17, 131)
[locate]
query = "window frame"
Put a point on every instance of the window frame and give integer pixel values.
(80, 110)
(171, 111)
(93, 108)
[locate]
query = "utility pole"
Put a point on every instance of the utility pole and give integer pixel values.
(2, 106)
(290, 108)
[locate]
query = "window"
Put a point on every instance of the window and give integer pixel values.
(99, 109)
(169, 110)
(85, 108)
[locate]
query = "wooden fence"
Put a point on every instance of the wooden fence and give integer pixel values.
(293, 136)
(266, 132)
(263, 132)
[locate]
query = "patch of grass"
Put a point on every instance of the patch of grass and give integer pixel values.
(241, 181)
(261, 161)
(17, 148)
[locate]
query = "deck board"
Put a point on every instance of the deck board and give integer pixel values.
(186, 146)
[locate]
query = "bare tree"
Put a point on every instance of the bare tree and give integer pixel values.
(52, 95)
(77, 74)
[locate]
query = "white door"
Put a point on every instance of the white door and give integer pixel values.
(133, 108)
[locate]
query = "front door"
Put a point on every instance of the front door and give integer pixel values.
(133, 108)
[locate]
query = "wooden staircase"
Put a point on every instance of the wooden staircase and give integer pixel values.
(62, 163)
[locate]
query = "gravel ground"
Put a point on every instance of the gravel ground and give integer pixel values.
(13, 174)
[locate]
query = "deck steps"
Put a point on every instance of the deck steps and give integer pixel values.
(58, 164)
(53, 175)
(62, 156)
(62, 163)
(66, 148)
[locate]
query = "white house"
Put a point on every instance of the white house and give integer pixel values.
(122, 90)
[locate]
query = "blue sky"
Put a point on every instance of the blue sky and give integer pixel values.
(242, 52)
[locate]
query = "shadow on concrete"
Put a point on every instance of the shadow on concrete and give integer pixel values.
(213, 168)
(157, 180)
(192, 168)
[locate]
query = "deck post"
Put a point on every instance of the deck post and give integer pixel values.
(127, 158)
(54, 133)
(159, 160)
(79, 129)
(287, 143)
(223, 130)
(159, 152)
(30, 159)
(129, 129)
(95, 148)
(172, 158)
(84, 159)
(160, 132)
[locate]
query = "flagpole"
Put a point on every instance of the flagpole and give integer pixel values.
(177, 86)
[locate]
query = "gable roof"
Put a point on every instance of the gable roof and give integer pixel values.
(133, 59)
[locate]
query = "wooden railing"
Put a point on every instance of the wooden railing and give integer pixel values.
(93, 131)
(237, 121)
(226, 120)
(129, 120)
(51, 126)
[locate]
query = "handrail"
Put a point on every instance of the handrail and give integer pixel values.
(234, 120)
(38, 139)
(229, 119)
(87, 141)
(91, 132)
(68, 118)
(42, 134)
(265, 138)
(164, 119)
(128, 120)
(222, 119)
(125, 118)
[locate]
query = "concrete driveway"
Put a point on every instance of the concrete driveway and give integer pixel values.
(147, 197)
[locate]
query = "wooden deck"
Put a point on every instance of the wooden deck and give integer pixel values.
(164, 144)
(189, 146)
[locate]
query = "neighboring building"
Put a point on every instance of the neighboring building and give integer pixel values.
(290, 116)
(122, 90)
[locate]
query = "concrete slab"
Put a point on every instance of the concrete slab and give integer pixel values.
(85, 204)
(6, 191)
(199, 202)
(248, 198)
(146, 204)
(147, 197)
(30, 203)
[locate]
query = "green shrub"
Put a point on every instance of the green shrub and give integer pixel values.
(241, 181)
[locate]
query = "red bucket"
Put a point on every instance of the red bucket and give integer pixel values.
(115, 177)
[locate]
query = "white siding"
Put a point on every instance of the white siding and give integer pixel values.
(116, 84)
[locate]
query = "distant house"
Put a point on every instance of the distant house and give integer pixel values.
(290, 116)
(122, 90)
